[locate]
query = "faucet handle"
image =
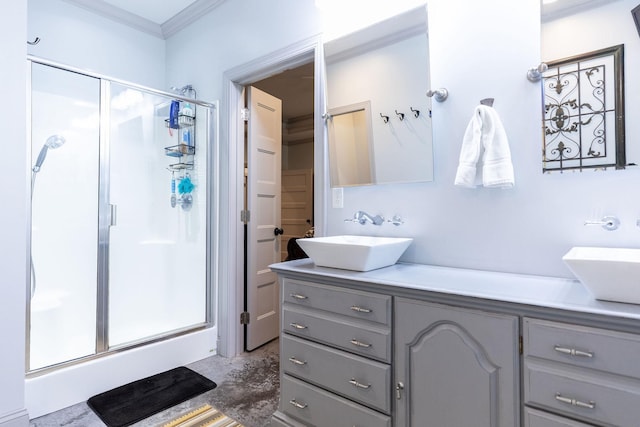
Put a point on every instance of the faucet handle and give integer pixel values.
(396, 220)
(609, 223)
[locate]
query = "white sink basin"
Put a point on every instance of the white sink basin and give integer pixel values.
(359, 253)
(611, 274)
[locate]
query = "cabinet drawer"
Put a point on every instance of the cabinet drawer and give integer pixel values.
(535, 418)
(350, 334)
(354, 377)
(605, 350)
(581, 393)
(350, 303)
(319, 408)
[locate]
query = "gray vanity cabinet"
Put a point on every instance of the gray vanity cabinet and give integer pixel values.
(454, 366)
(423, 346)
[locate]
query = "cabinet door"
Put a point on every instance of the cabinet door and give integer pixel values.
(458, 367)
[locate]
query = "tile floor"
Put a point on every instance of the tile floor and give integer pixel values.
(248, 391)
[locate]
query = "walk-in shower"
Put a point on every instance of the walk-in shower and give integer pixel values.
(118, 265)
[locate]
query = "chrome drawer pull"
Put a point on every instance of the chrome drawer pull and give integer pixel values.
(360, 309)
(298, 405)
(358, 385)
(360, 343)
(298, 296)
(572, 351)
(296, 361)
(589, 405)
(399, 388)
(297, 326)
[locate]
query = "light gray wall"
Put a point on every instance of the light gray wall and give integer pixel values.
(235, 33)
(78, 38)
(14, 219)
(476, 52)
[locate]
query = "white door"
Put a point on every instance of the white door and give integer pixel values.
(264, 158)
(297, 204)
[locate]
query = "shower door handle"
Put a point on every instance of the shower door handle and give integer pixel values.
(113, 215)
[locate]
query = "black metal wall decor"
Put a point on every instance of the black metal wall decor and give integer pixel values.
(584, 112)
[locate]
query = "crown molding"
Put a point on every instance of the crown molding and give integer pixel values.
(116, 14)
(187, 16)
(173, 25)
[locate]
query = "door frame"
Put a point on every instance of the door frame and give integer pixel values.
(231, 274)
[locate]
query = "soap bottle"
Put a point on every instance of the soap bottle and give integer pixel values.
(187, 110)
(186, 141)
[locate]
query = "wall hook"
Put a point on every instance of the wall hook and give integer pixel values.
(416, 113)
(535, 74)
(400, 115)
(487, 101)
(384, 118)
(439, 94)
(34, 42)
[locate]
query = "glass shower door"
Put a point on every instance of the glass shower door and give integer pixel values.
(119, 217)
(65, 171)
(157, 243)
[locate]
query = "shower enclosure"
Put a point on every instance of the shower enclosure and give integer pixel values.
(122, 210)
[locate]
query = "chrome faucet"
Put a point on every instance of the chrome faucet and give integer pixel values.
(362, 217)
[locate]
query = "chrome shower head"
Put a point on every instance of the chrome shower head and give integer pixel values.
(183, 90)
(53, 142)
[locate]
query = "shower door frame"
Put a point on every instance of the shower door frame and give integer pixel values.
(102, 348)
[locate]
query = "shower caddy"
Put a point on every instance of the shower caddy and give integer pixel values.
(186, 149)
(183, 152)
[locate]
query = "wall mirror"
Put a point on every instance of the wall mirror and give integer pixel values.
(383, 73)
(593, 49)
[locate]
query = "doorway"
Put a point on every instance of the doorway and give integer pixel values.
(277, 110)
(294, 87)
(231, 292)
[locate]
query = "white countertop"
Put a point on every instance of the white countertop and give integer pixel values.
(540, 291)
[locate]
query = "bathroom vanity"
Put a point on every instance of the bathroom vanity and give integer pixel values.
(425, 346)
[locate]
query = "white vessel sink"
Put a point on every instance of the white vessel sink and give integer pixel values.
(611, 274)
(359, 253)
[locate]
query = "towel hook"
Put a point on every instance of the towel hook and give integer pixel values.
(487, 101)
(416, 113)
(384, 118)
(535, 74)
(439, 94)
(34, 42)
(400, 115)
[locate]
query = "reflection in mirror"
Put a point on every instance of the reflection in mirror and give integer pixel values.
(387, 64)
(350, 145)
(572, 28)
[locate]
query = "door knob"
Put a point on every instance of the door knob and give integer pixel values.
(277, 231)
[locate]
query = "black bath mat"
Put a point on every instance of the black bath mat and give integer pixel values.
(140, 399)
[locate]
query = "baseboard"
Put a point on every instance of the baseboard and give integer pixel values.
(15, 419)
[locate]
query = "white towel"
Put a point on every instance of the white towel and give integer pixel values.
(485, 132)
